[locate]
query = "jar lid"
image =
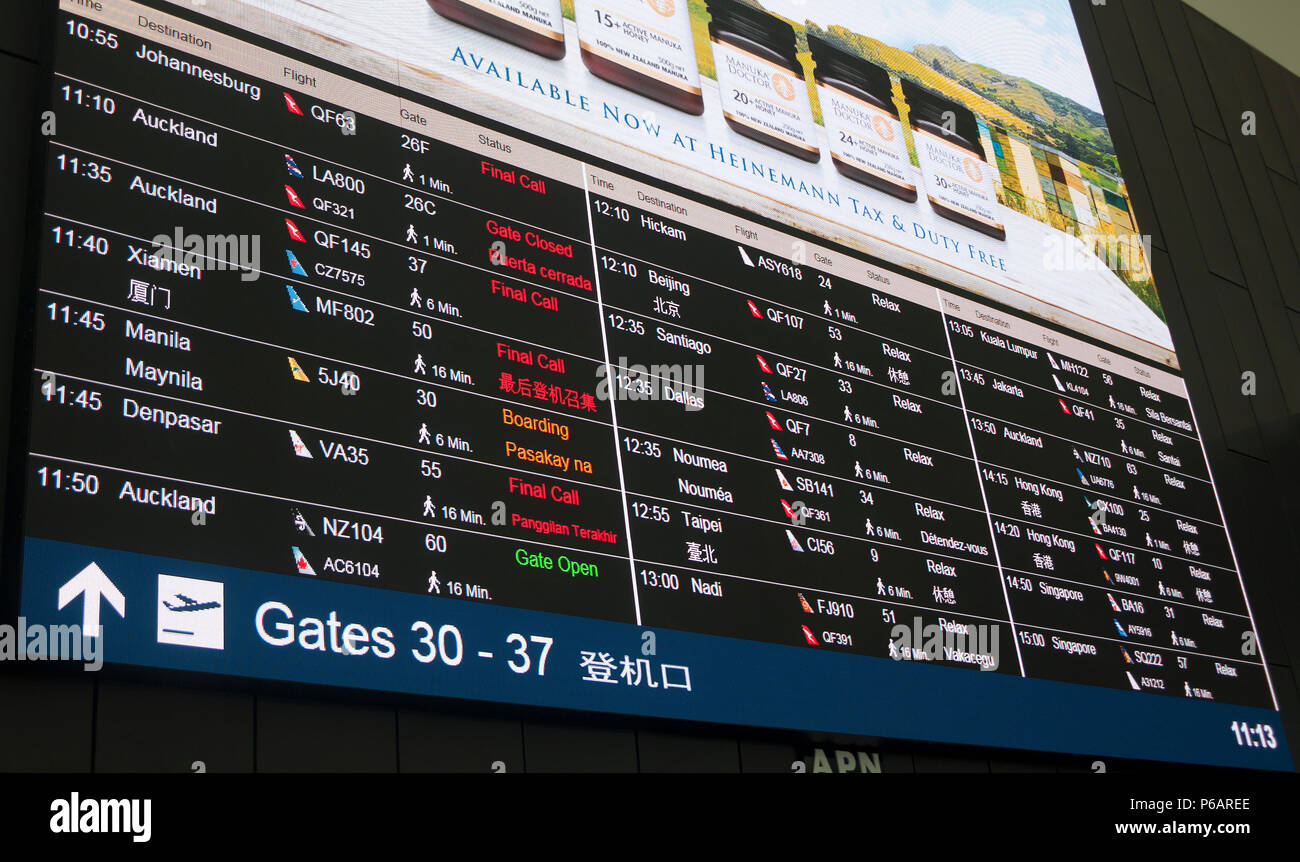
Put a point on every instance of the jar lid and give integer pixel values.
(928, 106)
(834, 62)
(754, 24)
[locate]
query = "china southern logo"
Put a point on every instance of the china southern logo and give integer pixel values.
(191, 612)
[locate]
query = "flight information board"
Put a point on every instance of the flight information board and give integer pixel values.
(338, 384)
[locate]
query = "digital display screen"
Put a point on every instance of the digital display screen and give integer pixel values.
(787, 364)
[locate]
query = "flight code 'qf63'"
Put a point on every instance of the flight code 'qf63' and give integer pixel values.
(278, 626)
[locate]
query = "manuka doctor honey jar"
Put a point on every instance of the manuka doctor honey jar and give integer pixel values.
(866, 136)
(536, 25)
(760, 79)
(645, 46)
(958, 181)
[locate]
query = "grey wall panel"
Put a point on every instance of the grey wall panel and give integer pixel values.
(1186, 59)
(151, 728)
(1148, 217)
(1121, 51)
(1254, 223)
(1238, 89)
(1223, 367)
(675, 752)
(1179, 136)
(1184, 270)
(1208, 358)
(309, 735)
(1243, 71)
(1180, 190)
(765, 756)
(1288, 201)
(575, 748)
(1001, 764)
(892, 761)
(46, 723)
(947, 764)
(1189, 355)
(1282, 119)
(1267, 406)
(19, 32)
(1214, 45)
(1284, 109)
(436, 742)
(1166, 89)
(1260, 531)
(1286, 681)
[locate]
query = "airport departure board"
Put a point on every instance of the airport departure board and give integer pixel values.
(350, 368)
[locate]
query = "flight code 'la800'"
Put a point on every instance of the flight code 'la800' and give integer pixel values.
(278, 626)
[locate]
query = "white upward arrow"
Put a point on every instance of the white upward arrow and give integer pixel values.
(95, 585)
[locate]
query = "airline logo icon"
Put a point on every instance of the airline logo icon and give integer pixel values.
(809, 636)
(291, 105)
(300, 562)
(762, 363)
(292, 166)
(1058, 383)
(1065, 408)
(785, 485)
(767, 393)
(1128, 659)
(1119, 628)
(191, 612)
(296, 370)
(803, 603)
(789, 511)
(753, 309)
(794, 542)
(295, 301)
(1100, 552)
(300, 523)
(1079, 473)
(294, 200)
(771, 420)
(1114, 605)
(776, 447)
(1052, 359)
(299, 448)
(294, 233)
(1132, 681)
(294, 265)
